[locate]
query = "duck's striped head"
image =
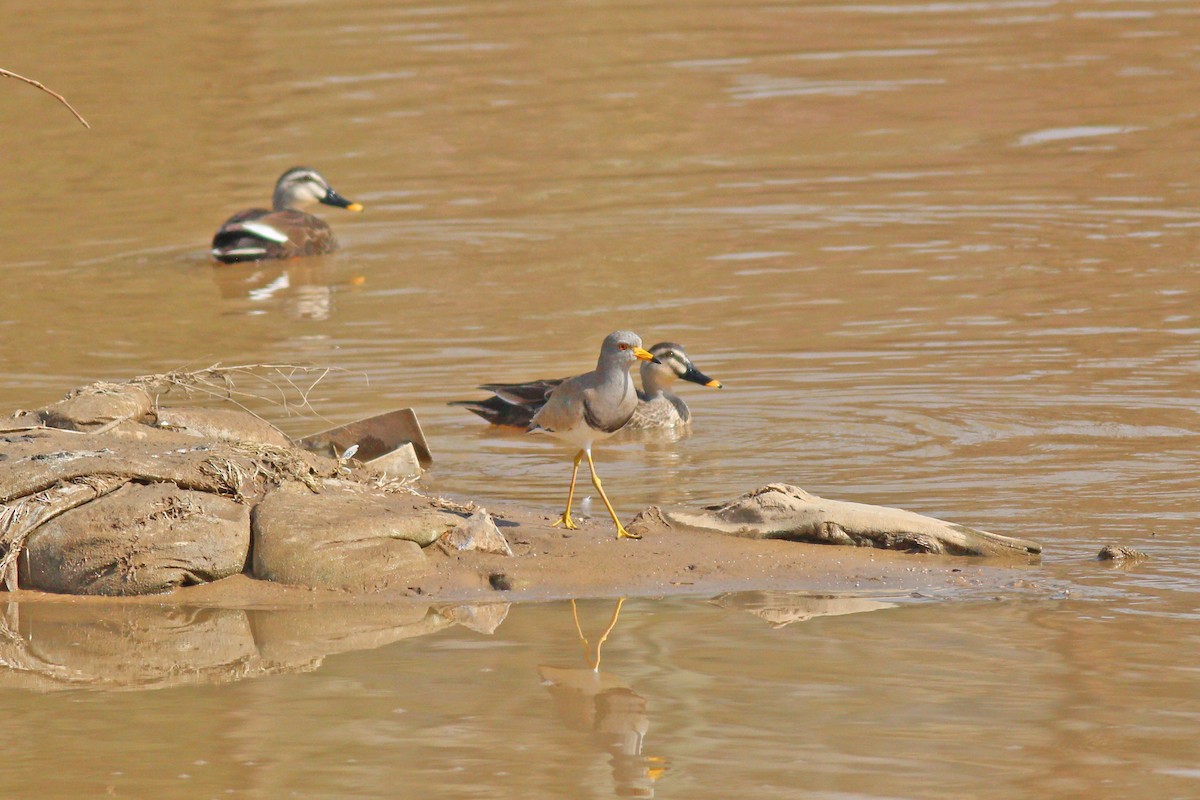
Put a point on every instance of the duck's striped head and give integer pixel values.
(673, 364)
(301, 187)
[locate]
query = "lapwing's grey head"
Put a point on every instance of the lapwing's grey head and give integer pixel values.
(624, 347)
(672, 363)
(301, 187)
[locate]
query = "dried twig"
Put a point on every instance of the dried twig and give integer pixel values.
(218, 381)
(7, 74)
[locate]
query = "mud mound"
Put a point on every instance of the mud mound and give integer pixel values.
(141, 539)
(346, 537)
(106, 492)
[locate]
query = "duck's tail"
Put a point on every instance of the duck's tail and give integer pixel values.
(498, 412)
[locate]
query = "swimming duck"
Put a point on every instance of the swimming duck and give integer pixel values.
(286, 231)
(658, 407)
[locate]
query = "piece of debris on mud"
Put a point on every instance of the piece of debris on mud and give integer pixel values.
(476, 532)
(1112, 552)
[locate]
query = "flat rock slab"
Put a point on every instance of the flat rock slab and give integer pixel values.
(343, 538)
(224, 424)
(38, 460)
(140, 539)
(97, 406)
(782, 511)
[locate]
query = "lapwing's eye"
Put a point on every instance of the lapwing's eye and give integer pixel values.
(624, 346)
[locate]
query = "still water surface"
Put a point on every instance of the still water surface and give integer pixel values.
(943, 256)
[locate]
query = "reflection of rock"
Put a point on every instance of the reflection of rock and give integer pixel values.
(783, 608)
(52, 645)
(780, 511)
(481, 618)
(294, 636)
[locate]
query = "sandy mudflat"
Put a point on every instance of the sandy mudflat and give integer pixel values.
(550, 563)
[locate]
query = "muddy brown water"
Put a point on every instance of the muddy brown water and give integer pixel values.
(943, 255)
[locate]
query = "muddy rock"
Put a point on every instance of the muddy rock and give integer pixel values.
(96, 406)
(782, 511)
(224, 424)
(1112, 552)
(139, 539)
(476, 532)
(40, 459)
(344, 537)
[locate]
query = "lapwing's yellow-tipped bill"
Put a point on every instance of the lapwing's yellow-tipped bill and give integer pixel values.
(645, 355)
(696, 376)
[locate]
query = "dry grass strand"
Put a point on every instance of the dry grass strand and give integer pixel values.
(283, 381)
(38, 84)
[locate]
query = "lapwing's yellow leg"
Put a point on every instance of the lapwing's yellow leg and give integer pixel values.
(621, 532)
(565, 520)
(604, 636)
(587, 647)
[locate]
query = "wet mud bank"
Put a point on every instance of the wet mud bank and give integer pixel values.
(110, 493)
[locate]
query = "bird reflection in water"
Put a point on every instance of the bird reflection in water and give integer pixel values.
(605, 707)
(300, 290)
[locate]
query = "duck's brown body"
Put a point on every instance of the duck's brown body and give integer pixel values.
(285, 231)
(302, 234)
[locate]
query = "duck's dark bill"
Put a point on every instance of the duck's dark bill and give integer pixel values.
(696, 376)
(332, 198)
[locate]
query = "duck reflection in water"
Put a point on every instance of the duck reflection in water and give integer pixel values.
(301, 290)
(604, 706)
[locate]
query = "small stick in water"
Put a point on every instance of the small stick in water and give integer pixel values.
(51, 92)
